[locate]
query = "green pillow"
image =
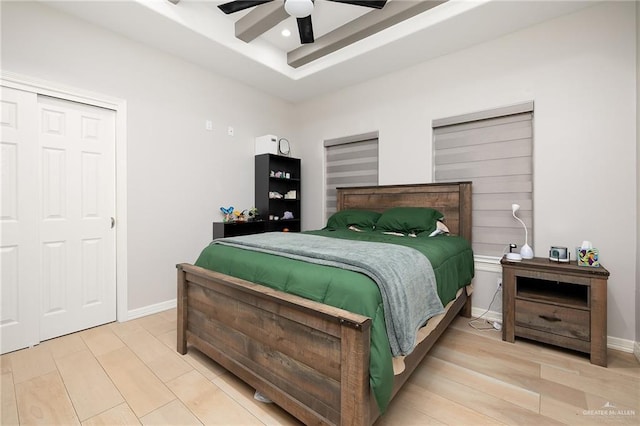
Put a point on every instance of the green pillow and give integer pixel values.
(363, 219)
(409, 219)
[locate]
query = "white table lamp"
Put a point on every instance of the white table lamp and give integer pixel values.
(525, 251)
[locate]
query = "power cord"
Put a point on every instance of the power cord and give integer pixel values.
(486, 325)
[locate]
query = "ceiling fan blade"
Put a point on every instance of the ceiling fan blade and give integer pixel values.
(238, 5)
(375, 4)
(305, 28)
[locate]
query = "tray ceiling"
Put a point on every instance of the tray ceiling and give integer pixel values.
(352, 43)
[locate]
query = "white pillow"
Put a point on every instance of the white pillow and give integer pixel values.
(441, 228)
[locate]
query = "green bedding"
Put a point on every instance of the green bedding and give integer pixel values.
(451, 258)
(403, 275)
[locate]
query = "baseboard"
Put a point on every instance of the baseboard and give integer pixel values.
(623, 345)
(619, 344)
(616, 343)
(151, 309)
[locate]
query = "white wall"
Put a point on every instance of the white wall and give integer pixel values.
(581, 72)
(179, 174)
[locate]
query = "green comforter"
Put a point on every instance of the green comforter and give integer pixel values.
(451, 258)
(403, 275)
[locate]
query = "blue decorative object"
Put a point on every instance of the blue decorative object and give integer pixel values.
(228, 213)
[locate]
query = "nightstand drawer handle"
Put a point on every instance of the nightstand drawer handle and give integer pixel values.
(552, 319)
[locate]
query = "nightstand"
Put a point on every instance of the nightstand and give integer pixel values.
(560, 304)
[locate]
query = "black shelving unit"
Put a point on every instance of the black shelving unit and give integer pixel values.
(278, 190)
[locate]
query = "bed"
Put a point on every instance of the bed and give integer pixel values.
(310, 358)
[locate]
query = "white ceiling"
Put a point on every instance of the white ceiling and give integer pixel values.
(199, 32)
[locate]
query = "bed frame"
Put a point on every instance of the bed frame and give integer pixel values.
(309, 358)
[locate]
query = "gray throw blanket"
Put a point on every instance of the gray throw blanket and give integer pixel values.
(404, 275)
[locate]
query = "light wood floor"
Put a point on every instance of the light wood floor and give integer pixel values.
(130, 373)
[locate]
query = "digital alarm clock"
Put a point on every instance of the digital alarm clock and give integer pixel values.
(559, 254)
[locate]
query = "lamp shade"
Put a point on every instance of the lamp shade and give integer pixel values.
(298, 8)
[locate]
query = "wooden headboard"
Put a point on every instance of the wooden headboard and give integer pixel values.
(453, 199)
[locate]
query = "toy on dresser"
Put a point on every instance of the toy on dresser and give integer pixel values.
(227, 214)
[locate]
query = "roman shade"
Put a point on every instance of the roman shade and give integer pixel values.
(349, 162)
(494, 150)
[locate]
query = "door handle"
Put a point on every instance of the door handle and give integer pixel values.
(113, 222)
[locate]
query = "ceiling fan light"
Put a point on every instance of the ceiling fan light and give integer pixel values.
(299, 8)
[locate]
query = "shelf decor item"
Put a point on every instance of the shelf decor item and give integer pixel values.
(284, 148)
(227, 212)
(588, 257)
(267, 144)
(525, 251)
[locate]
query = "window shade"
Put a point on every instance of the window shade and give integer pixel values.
(348, 164)
(495, 153)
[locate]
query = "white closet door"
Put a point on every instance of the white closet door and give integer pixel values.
(19, 249)
(77, 170)
(58, 198)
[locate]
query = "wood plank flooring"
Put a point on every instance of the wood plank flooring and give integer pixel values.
(129, 373)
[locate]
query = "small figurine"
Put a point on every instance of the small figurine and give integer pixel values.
(227, 212)
(252, 213)
(238, 216)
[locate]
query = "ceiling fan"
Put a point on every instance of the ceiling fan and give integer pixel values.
(300, 9)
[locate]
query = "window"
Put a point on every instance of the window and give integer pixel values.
(351, 161)
(493, 149)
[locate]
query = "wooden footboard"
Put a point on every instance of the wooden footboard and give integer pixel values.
(309, 358)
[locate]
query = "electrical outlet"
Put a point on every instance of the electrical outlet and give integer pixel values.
(499, 284)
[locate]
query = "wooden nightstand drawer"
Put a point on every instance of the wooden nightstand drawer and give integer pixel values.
(558, 320)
